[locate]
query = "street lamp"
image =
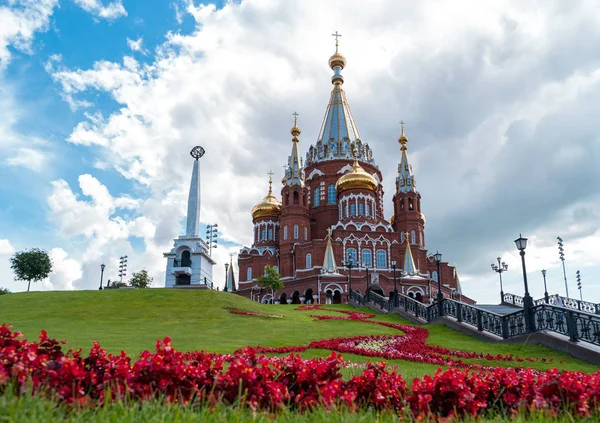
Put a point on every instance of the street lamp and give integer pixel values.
(367, 270)
(440, 297)
(546, 298)
(395, 287)
(122, 267)
(579, 285)
(226, 267)
(561, 255)
(349, 263)
(102, 266)
(500, 268)
(521, 244)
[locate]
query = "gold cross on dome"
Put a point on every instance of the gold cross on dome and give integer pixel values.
(270, 173)
(329, 232)
(336, 35)
(295, 118)
(407, 234)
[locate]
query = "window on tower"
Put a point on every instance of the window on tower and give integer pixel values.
(410, 203)
(295, 231)
(367, 258)
(270, 234)
(249, 274)
(308, 261)
(306, 233)
(331, 194)
(285, 232)
(402, 237)
(361, 209)
(413, 237)
(381, 259)
(351, 255)
(368, 207)
(352, 209)
(263, 234)
(296, 197)
(434, 276)
(317, 197)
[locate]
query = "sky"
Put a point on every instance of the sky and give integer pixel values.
(101, 102)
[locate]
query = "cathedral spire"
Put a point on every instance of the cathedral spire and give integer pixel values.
(230, 280)
(409, 262)
(329, 265)
(193, 213)
(293, 173)
(405, 181)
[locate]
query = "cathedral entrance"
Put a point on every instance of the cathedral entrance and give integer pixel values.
(337, 298)
(308, 296)
(283, 298)
(296, 298)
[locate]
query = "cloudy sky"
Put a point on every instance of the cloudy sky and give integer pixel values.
(101, 102)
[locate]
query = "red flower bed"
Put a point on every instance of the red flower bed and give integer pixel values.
(252, 313)
(272, 383)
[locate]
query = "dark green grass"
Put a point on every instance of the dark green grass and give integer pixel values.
(132, 320)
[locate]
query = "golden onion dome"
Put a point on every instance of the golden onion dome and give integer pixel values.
(268, 207)
(357, 178)
(392, 219)
(337, 60)
(403, 138)
(295, 131)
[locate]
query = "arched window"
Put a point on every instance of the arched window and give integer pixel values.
(401, 203)
(368, 207)
(361, 209)
(276, 235)
(287, 198)
(352, 209)
(402, 237)
(413, 237)
(285, 232)
(351, 255)
(308, 261)
(306, 233)
(263, 234)
(270, 234)
(249, 274)
(367, 258)
(295, 231)
(331, 194)
(434, 276)
(421, 238)
(381, 259)
(410, 203)
(317, 197)
(295, 197)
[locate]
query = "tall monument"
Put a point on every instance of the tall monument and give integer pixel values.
(189, 264)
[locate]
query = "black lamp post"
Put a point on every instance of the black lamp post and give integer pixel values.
(500, 268)
(579, 285)
(561, 255)
(546, 298)
(367, 270)
(527, 300)
(395, 287)
(440, 297)
(226, 268)
(102, 266)
(349, 263)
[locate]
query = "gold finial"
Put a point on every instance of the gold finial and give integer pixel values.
(403, 138)
(336, 35)
(270, 173)
(329, 232)
(295, 131)
(407, 234)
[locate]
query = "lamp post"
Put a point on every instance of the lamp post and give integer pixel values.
(367, 270)
(561, 255)
(226, 267)
(349, 263)
(102, 266)
(521, 244)
(546, 298)
(500, 268)
(212, 233)
(122, 267)
(579, 285)
(440, 297)
(395, 287)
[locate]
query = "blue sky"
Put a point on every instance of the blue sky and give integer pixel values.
(102, 101)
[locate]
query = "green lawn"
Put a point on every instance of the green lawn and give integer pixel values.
(132, 320)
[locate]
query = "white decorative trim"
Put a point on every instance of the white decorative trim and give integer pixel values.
(259, 250)
(415, 288)
(359, 225)
(345, 169)
(337, 288)
(315, 172)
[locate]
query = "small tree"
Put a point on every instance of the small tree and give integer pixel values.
(141, 279)
(4, 291)
(31, 265)
(270, 279)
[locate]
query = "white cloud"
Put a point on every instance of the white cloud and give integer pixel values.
(65, 271)
(109, 12)
(29, 158)
(137, 45)
(5, 247)
(500, 97)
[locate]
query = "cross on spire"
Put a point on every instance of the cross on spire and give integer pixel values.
(336, 35)
(295, 118)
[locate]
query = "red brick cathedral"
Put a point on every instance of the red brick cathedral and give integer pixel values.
(329, 233)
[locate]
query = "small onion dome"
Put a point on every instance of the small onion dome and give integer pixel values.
(356, 178)
(403, 138)
(393, 219)
(268, 207)
(295, 131)
(337, 60)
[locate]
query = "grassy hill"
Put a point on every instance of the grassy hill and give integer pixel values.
(132, 320)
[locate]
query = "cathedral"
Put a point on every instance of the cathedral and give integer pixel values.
(328, 235)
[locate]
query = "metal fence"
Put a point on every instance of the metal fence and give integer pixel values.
(577, 325)
(555, 300)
